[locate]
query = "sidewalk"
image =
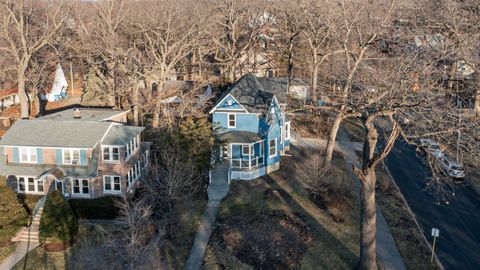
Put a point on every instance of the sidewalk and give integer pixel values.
(20, 251)
(387, 250)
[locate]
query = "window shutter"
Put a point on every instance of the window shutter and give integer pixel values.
(58, 156)
(40, 155)
(83, 157)
(16, 156)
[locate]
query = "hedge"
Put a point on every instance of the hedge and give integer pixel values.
(13, 215)
(99, 208)
(58, 222)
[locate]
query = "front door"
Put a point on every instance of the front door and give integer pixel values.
(59, 186)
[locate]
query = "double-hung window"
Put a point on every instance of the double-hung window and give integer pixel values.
(247, 150)
(232, 120)
(132, 146)
(28, 155)
(71, 156)
(111, 183)
(111, 153)
(272, 147)
(29, 184)
(81, 186)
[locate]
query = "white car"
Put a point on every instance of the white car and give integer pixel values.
(432, 147)
(451, 168)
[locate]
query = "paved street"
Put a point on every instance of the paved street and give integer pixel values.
(458, 246)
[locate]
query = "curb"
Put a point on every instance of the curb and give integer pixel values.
(439, 264)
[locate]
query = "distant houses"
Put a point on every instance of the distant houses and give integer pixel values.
(86, 153)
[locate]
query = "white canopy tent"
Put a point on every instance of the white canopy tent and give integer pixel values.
(60, 85)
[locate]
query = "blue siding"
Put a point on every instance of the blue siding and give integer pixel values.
(225, 104)
(236, 151)
(16, 155)
(244, 122)
(58, 156)
(39, 155)
(83, 157)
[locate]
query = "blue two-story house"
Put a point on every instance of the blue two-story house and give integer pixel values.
(253, 126)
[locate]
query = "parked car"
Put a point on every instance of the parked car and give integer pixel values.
(451, 168)
(432, 147)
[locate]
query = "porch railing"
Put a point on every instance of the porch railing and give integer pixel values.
(251, 163)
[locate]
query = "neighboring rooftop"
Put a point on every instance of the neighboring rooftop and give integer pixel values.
(47, 133)
(87, 114)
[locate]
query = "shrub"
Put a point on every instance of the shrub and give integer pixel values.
(58, 222)
(12, 213)
(100, 208)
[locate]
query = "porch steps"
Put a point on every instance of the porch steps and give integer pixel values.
(30, 233)
(219, 186)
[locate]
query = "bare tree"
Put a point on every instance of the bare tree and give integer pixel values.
(26, 27)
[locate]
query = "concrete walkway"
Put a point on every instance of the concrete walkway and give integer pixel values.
(20, 252)
(387, 250)
(217, 190)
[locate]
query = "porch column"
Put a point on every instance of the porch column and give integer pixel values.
(250, 156)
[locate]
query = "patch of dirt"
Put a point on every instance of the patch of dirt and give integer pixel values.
(274, 240)
(55, 246)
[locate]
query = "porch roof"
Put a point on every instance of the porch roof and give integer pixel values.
(240, 137)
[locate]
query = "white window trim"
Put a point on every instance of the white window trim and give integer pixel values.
(71, 156)
(235, 120)
(81, 194)
(270, 155)
(262, 148)
(110, 154)
(29, 154)
(287, 130)
(112, 184)
(35, 182)
(252, 152)
(136, 144)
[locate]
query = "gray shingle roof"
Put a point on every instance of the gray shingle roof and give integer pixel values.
(47, 133)
(88, 114)
(121, 135)
(256, 93)
(250, 94)
(278, 86)
(239, 137)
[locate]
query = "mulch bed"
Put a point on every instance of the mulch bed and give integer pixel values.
(274, 240)
(56, 246)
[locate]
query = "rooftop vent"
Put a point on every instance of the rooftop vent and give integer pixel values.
(77, 113)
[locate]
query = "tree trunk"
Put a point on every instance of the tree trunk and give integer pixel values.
(135, 104)
(22, 96)
(476, 105)
(332, 137)
(314, 74)
(368, 216)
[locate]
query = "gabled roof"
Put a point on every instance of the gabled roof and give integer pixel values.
(249, 93)
(278, 86)
(121, 135)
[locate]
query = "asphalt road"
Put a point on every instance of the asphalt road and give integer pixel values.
(458, 246)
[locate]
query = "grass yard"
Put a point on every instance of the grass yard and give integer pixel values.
(6, 250)
(329, 244)
(408, 238)
(179, 243)
(39, 259)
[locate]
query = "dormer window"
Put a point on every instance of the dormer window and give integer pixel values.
(232, 120)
